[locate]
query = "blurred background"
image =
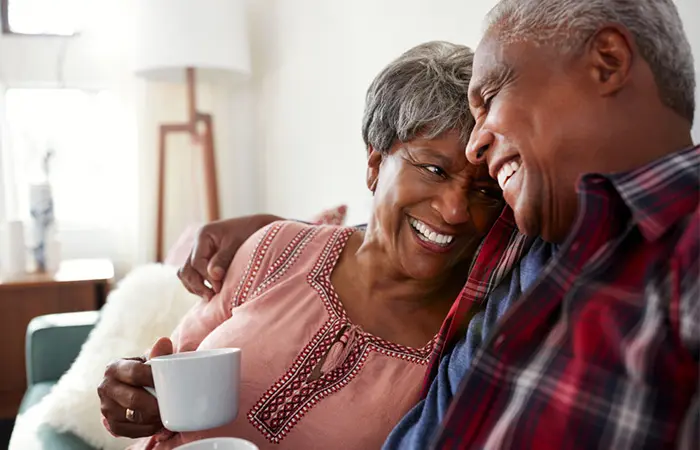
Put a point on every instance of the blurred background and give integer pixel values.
(287, 132)
(125, 124)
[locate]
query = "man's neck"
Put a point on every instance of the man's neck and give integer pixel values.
(645, 142)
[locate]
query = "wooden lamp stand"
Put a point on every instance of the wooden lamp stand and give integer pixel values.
(201, 128)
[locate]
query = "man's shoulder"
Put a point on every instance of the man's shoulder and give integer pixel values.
(687, 248)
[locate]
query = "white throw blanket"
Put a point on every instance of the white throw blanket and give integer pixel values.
(147, 304)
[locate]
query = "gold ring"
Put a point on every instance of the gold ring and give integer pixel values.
(130, 415)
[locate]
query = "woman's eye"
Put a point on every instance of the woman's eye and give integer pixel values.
(434, 170)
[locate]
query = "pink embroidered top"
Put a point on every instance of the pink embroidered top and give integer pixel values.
(311, 379)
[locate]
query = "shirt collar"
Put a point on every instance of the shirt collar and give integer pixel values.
(659, 193)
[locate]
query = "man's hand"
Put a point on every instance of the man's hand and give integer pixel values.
(215, 245)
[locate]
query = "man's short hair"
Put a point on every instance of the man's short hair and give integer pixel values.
(568, 24)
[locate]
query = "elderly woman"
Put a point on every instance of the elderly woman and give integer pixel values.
(355, 310)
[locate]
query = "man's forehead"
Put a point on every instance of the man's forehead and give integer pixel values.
(490, 60)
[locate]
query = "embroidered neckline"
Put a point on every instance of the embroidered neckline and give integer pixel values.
(320, 279)
(309, 379)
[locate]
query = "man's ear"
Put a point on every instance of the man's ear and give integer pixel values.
(611, 52)
(374, 160)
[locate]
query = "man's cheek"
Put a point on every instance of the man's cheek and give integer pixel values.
(484, 218)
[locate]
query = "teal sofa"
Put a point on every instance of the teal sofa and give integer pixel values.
(52, 344)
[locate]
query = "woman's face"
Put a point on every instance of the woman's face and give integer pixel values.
(431, 207)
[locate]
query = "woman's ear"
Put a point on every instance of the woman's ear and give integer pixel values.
(374, 160)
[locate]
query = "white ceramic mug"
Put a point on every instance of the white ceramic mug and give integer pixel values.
(220, 444)
(197, 390)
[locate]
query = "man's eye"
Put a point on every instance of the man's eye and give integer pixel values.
(487, 102)
(434, 170)
(490, 193)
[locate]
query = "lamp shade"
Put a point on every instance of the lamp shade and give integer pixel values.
(209, 35)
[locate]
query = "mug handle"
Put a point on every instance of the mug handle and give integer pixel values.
(148, 389)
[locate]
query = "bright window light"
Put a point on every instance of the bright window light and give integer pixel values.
(49, 17)
(92, 138)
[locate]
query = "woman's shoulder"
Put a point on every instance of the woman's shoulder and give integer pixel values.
(279, 235)
(282, 247)
(288, 236)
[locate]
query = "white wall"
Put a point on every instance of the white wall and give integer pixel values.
(289, 139)
(316, 59)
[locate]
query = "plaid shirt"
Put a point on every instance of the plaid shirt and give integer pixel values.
(603, 350)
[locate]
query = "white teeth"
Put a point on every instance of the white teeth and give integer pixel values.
(429, 235)
(506, 172)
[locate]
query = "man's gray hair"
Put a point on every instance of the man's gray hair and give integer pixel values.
(655, 25)
(423, 94)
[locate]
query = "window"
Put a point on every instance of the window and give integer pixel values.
(42, 17)
(93, 170)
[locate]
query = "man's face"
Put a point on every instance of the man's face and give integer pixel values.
(534, 119)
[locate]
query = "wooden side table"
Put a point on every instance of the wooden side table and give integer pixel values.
(78, 285)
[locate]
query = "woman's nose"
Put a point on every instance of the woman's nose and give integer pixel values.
(453, 206)
(480, 142)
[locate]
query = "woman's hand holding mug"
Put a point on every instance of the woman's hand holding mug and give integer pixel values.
(128, 409)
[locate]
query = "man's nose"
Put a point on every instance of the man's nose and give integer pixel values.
(480, 142)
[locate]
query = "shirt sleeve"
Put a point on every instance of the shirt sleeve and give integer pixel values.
(687, 272)
(687, 304)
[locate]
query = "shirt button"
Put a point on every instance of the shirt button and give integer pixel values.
(575, 246)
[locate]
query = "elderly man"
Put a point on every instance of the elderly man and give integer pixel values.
(583, 113)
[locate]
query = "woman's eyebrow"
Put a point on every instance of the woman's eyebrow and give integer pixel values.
(429, 152)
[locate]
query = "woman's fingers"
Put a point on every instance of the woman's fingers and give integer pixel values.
(122, 389)
(130, 371)
(163, 346)
(117, 397)
(119, 425)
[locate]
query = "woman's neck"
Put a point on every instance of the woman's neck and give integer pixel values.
(381, 298)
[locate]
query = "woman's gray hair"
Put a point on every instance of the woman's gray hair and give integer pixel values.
(422, 93)
(655, 25)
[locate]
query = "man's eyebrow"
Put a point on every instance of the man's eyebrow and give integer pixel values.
(495, 76)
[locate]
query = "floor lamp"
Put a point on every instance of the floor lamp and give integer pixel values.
(190, 41)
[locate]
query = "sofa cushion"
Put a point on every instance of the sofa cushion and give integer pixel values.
(53, 342)
(31, 430)
(34, 394)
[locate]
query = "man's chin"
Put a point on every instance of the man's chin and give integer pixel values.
(525, 219)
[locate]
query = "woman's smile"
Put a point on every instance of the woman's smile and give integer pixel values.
(429, 238)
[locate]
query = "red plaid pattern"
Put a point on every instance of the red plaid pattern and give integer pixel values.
(603, 350)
